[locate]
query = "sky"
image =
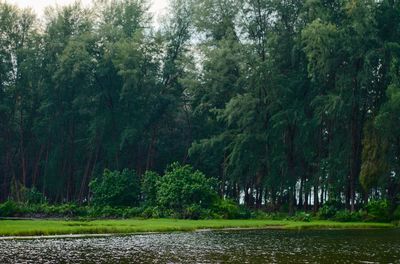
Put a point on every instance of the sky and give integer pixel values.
(158, 6)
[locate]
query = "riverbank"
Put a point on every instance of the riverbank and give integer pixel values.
(22, 228)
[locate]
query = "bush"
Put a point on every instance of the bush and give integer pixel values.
(347, 216)
(116, 188)
(377, 210)
(329, 209)
(396, 213)
(302, 216)
(132, 212)
(69, 209)
(195, 212)
(182, 187)
(326, 212)
(9, 209)
(114, 212)
(106, 212)
(46, 210)
(227, 209)
(32, 196)
(244, 212)
(153, 212)
(149, 188)
(258, 214)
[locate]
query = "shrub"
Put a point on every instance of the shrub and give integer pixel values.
(64, 210)
(116, 188)
(258, 214)
(70, 209)
(107, 211)
(396, 213)
(153, 212)
(195, 212)
(227, 209)
(302, 216)
(244, 212)
(326, 212)
(329, 209)
(9, 208)
(148, 212)
(149, 187)
(32, 196)
(347, 216)
(132, 212)
(114, 212)
(182, 187)
(377, 210)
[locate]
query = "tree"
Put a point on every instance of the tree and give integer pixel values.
(339, 54)
(283, 104)
(19, 83)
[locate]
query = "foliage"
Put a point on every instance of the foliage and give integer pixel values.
(396, 213)
(228, 209)
(149, 188)
(195, 212)
(69, 210)
(347, 216)
(9, 208)
(114, 212)
(374, 166)
(154, 212)
(32, 196)
(377, 210)
(275, 101)
(302, 216)
(182, 187)
(329, 209)
(115, 188)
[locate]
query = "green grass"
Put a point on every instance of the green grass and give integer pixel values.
(61, 227)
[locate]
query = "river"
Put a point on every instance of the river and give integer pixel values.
(246, 246)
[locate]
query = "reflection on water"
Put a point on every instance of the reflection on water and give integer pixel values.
(258, 246)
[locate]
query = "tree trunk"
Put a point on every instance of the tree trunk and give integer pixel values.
(316, 203)
(37, 163)
(321, 199)
(151, 150)
(301, 192)
(356, 138)
(305, 207)
(292, 190)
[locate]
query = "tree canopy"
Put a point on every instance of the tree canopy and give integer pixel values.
(283, 104)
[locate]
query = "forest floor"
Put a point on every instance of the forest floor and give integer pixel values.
(25, 228)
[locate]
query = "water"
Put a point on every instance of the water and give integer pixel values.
(257, 246)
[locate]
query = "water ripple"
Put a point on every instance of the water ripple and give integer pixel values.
(257, 246)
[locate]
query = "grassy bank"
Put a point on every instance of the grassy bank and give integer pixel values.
(61, 227)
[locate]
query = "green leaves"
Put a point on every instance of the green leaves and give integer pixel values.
(320, 45)
(271, 98)
(182, 186)
(150, 183)
(115, 188)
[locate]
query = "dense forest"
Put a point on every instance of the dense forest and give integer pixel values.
(285, 104)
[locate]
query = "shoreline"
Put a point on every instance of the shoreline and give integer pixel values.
(78, 236)
(61, 229)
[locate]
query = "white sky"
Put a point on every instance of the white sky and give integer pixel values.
(158, 6)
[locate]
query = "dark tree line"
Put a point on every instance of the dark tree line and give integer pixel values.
(288, 104)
